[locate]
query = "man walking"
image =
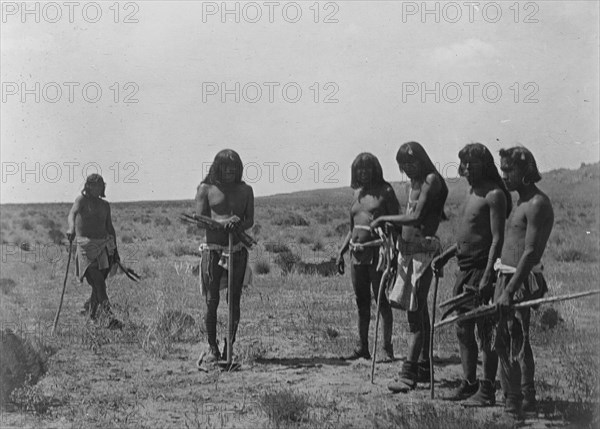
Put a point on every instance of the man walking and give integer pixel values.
(90, 223)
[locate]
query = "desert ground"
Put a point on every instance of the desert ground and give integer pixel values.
(297, 320)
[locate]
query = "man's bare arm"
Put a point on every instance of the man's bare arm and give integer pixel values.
(345, 244)
(109, 225)
(497, 203)
(71, 218)
(539, 215)
(430, 188)
(392, 205)
(202, 206)
(248, 220)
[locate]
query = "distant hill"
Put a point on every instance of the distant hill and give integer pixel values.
(561, 184)
(582, 184)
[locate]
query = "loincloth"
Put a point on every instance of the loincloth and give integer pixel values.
(93, 252)
(512, 330)
(366, 253)
(223, 254)
(414, 259)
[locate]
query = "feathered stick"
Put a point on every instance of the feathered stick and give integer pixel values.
(208, 223)
(486, 310)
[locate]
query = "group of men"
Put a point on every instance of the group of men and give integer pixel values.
(496, 264)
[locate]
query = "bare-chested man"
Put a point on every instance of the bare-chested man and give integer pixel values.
(479, 242)
(90, 222)
(520, 276)
(373, 197)
(223, 196)
(418, 246)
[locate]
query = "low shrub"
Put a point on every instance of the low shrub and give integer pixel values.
(276, 247)
(285, 406)
(56, 236)
(155, 252)
(289, 219)
(262, 267)
(287, 261)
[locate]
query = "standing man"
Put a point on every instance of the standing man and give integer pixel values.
(418, 244)
(479, 242)
(90, 223)
(373, 197)
(520, 276)
(223, 196)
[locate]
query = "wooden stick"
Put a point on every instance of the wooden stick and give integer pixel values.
(388, 243)
(230, 299)
(435, 291)
(132, 275)
(556, 298)
(456, 298)
(486, 310)
(206, 222)
(62, 295)
(382, 284)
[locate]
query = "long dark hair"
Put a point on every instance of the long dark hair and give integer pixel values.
(523, 158)
(413, 151)
(93, 178)
(366, 160)
(222, 159)
(490, 171)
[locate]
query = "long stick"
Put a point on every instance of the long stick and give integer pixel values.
(435, 290)
(62, 295)
(205, 222)
(457, 298)
(486, 310)
(382, 284)
(230, 299)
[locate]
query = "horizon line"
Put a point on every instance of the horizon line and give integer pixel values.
(583, 164)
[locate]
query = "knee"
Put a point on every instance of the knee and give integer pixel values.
(364, 307)
(465, 333)
(386, 311)
(415, 321)
(212, 305)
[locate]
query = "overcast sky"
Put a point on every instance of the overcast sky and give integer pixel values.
(367, 76)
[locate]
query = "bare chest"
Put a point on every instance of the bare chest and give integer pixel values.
(517, 223)
(232, 202)
(475, 209)
(93, 211)
(369, 204)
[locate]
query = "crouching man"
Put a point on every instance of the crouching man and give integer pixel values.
(520, 276)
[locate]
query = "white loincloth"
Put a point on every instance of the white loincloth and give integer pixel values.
(92, 251)
(411, 267)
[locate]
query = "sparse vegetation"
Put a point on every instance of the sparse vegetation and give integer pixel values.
(286, 261)
(276, 247)
(290, 219)
(262, 267)
(285, 406)
(293, 328)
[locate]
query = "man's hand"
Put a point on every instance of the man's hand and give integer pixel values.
(504, 300)
(486, 290)
(377, 222)
(438, 264)
(70, 236)
(340, 264)
(232, 223)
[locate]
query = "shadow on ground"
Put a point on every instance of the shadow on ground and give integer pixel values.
(303, 362)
